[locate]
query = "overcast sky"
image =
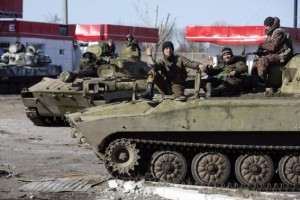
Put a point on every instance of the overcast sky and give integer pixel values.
(186, 12)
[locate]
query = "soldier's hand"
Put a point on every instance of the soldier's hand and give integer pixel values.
(210, 61)
(202, 68)
(149, 50)
(232, 73)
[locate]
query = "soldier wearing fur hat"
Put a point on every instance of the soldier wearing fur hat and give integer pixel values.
(276, 49)
(226, 76)
(169, 73)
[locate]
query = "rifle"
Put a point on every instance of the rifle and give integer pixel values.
(258, 53)
(222, 76)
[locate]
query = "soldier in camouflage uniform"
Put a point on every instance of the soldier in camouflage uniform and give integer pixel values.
(88, 63)
(20, 47)
(134, 44)
(276, 49)
(226, 76)
(86, 68)
(108, 48)
(169, 73)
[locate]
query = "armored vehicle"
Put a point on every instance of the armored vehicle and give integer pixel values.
(248, 140)
(114, 79)
(24, 69)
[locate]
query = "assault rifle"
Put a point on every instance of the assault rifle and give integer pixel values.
(222, 75)
(258, 53)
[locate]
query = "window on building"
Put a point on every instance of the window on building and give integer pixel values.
(63, 30)
(61, 52)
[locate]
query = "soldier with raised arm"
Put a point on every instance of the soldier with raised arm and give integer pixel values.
(169, 73)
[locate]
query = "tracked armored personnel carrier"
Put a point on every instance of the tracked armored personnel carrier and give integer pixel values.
(114, 79)
(24, 69)
(248, 140)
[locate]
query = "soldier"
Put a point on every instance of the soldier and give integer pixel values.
(226, 77)
(88, 62)
(109, 48)
(133, 43)
(20, 47)
(168, 74)
(86, 68)
(276, 49)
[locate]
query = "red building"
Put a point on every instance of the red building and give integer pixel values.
(11, 8)
(59, 41)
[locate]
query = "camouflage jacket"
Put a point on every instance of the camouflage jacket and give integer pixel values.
(221, 71)
(108, 50)
(133, 44)
(278, 42)
(174, 69)
(84, 65)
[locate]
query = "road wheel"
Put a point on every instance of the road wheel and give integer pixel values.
(254, 169)
(289, 170)
(168, 166)
(210, 168)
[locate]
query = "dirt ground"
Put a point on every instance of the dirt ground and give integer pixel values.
(32, 155)
(29, 154)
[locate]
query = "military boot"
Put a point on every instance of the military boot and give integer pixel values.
(148, 94)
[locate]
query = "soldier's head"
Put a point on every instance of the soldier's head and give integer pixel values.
(18, 45)
(129, 37)
(110, 42)
(271, 23)
(227, 54)
(167, 48)
(89, 57)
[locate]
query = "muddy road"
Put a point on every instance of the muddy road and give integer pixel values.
(29, 153)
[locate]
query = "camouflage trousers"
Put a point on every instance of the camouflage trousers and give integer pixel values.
(163, 86)
(262, 64)
(217, 87)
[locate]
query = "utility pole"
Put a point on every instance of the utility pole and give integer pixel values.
(66, 11)
(295, 13)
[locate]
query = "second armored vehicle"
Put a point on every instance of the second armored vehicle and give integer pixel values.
(114, 79)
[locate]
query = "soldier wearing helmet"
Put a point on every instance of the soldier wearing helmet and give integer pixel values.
(131, 42)
(88, 62)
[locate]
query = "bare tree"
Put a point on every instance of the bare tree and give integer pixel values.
(53, 18)
(165, 25)
(185, 46)
(220, 23)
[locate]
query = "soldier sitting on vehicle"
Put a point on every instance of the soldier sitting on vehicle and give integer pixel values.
(276, 49)
(20, 47)
(86, 68)
(88, 62)
(109, 48)
(225, 77)
(132, 43)
(168, 74)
